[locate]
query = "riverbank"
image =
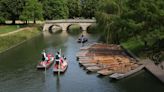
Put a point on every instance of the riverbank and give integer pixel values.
(11, 40)
(107, 59)
(156, 70)
(8, 28)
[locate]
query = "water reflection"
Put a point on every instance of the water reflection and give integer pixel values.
(58, 83)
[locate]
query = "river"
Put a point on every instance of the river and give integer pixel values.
(18, 71)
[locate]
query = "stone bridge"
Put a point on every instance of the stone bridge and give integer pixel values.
(66, 23)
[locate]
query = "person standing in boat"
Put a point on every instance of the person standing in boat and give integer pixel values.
(44, 56)
(82, 38)
(57, 57)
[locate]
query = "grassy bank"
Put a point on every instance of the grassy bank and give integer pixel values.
(7, 28)
(134, 45)
(14, 39)
(137, 46)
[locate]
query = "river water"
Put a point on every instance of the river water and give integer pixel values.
(18, 71)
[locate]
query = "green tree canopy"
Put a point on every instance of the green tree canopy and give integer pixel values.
(130, 18)
(32, 11)
(11, 9)
(55, 9)
(74, 7)
(89, 7)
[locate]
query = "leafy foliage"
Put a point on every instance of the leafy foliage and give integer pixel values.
(130, 18)
(74, 7)
(11, 9)
(89, 8)
(32, 10)
(55, 9)
(138, 25)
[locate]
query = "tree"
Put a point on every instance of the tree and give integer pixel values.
(74, 7)
(32, 11)
(2, 18)
(108, 16)
(89, 7)
(11, 9)
(131, 18)
(55, 9)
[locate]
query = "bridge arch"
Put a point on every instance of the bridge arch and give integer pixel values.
(72, 25)
(74, 28)
(65, 24)
(54, 26)
(90, 28)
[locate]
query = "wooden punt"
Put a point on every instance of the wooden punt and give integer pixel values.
(120, 75)
(87, 61)
(81, 54)
(46, 64)
(85, 47)
(105, 72)
(97, 68)
(89, 64)
(84, 59)
(94, 68)
(63, 67)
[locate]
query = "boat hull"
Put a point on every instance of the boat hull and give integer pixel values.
(46, 64)
(80, 41)
(63, 67)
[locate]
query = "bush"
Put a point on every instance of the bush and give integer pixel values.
(2, 20)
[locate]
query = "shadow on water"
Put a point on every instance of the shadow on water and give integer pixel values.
(100, 76)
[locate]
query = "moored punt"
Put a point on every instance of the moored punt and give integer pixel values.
(105, 72)
(87, 61)
(94, 68)
(81, 54)
(46, 64)
(97, 68)
(120, 75)
(85, 47)
(85, 57)
(106, 59)
(89, 65)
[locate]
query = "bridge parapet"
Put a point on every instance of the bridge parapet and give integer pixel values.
(65, 23)
(71, 21)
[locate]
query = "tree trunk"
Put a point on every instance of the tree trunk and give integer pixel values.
(13, 21)
(145, 43)
(34, 21)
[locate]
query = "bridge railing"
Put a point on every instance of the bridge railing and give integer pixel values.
(71, 21)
